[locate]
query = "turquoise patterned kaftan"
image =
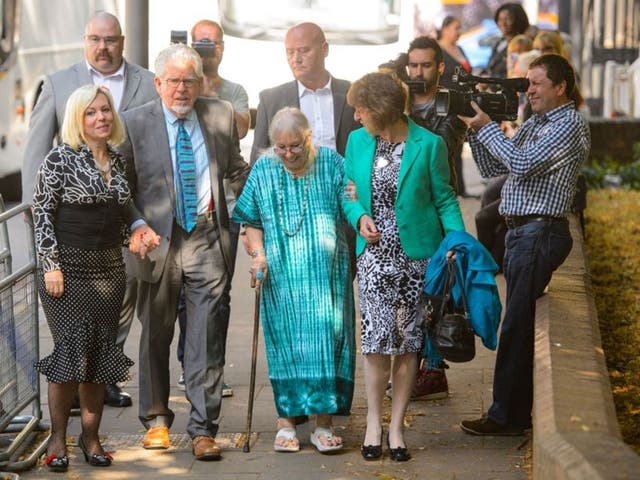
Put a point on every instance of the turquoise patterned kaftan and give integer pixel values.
(307, 304)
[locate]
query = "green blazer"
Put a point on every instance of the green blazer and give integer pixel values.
(425, 206)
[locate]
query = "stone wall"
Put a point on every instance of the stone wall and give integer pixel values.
(575, 430)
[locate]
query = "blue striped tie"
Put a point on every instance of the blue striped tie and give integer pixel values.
(186, 191)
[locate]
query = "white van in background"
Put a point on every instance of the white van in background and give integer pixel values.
(37, 37)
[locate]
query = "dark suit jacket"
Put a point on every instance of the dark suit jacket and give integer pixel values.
(150, 171)
(286, 95)
(46, 119)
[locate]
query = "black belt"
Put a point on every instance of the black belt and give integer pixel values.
(513, 221)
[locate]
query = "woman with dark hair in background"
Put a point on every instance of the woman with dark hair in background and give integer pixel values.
(511, 20)
(452, 55)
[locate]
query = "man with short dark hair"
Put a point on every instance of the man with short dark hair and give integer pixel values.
(208, 31)
(542, 162)
(130, 86)
(425, 63)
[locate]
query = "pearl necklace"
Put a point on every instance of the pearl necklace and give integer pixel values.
(281, 205)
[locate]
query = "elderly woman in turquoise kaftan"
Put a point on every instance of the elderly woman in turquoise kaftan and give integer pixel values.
(291, 209)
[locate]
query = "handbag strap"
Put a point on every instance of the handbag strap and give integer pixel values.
(446, 289)
(453, 276)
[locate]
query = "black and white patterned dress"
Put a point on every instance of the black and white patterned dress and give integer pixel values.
(79, 228)
(389, 282)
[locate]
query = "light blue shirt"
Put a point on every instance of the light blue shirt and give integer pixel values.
(200, 154)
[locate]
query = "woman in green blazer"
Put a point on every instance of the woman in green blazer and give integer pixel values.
(404, 206)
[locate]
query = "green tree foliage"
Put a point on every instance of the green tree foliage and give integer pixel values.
(612, 231)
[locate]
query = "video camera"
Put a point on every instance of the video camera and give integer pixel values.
(501, 105)
(205, 47)
(399, 67)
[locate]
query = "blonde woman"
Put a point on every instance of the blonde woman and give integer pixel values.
(548, 41)
(79, 219)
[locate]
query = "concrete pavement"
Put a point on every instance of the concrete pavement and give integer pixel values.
(439, 448)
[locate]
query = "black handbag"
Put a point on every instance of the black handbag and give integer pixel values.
(450, 328)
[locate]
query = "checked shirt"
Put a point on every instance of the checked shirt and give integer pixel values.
(543, 161)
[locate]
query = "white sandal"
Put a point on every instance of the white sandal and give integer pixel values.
(328, 435)
(289, 434)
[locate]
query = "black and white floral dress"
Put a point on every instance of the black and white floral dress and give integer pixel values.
(389, 282)
(79, 227)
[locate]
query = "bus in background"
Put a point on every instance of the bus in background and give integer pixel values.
(37, 37)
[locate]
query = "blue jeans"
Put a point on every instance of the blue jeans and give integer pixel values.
(533, 252)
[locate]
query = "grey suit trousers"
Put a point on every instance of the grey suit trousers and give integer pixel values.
(127, 311)
(194, 263)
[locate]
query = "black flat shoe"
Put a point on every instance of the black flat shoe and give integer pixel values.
(57, 464)
(400, 454)
(372, 452)
(103, 459)
(115, 397)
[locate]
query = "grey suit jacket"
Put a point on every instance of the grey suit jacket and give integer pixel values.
(286, 95)
(46, 119)
(150, 171)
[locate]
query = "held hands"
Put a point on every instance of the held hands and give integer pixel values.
(368, 229)
(478, 121)
(143, 240)
(54, 283)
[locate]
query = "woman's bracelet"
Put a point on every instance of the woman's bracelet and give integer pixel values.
(257, 252)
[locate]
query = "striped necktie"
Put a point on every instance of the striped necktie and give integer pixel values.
(186, 192)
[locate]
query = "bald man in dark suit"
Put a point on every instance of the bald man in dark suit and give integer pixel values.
(321, 97)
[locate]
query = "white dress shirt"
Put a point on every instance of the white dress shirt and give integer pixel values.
(317, 106)
(114, 82)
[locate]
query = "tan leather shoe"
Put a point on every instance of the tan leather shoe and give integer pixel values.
(156, 438)
(205, 448)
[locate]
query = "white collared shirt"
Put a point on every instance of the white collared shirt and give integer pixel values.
(317, 106)
(200, 157)
(114, 82)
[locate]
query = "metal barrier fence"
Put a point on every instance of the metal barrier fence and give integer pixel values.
(19, 383)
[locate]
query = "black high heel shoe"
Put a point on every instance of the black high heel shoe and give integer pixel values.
(57, 464)
(372, 452)
(103, 459)
(400, 454)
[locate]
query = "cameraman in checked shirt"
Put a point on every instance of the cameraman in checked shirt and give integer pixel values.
(542, 161)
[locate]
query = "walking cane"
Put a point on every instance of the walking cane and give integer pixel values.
(254, 354)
